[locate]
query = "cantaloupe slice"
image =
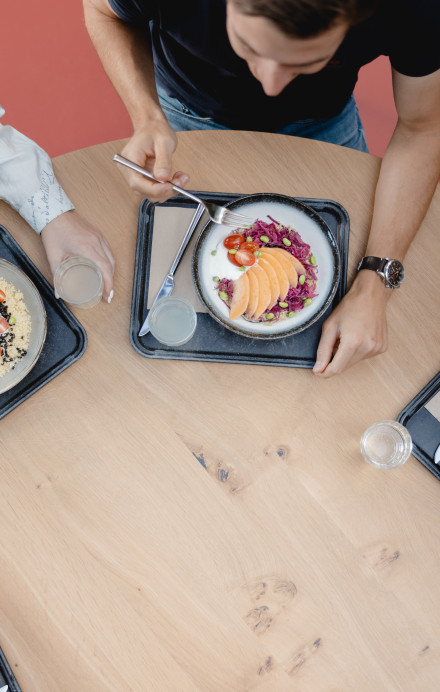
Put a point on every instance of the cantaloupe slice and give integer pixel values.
(264, 292)
(240, 297)
(283, 280)
(254, 293)
(274, 284)
(284, 261)
(299, 267)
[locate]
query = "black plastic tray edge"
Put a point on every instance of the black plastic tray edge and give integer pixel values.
(5, 670)
(410, 409)
(46, 291)
(143, 267)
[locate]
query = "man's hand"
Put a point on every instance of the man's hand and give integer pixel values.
(152, 147)
(68, 235)
(357, 329)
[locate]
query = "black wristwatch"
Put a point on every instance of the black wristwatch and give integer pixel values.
(391, 271)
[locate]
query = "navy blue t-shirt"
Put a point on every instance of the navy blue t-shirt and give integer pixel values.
(195, 63)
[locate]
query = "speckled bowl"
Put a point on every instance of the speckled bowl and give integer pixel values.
(312, 229)
(13, 275)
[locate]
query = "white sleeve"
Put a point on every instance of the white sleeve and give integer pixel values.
(27, 180)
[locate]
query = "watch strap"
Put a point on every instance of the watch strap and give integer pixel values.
(376, 264)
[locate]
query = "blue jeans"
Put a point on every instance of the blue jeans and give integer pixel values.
(345, 128)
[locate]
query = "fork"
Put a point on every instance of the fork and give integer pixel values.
(218, 214)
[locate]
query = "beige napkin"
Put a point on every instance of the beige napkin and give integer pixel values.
(170, 225)
(433, 406)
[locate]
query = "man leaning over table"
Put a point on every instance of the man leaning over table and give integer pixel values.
(286, 66)
(29, 185)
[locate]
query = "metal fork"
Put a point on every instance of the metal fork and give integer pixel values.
(218, 214)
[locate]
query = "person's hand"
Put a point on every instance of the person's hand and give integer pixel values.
(357, 328)
(152, 148)
(68, 235)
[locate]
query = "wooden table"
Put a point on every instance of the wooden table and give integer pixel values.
(208, 527)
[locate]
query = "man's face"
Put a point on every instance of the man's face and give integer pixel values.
(274, 58)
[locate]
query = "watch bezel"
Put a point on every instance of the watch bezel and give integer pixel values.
(387, 276)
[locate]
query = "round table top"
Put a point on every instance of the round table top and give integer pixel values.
(178, 525)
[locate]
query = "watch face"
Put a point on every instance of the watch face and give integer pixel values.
(394, 273)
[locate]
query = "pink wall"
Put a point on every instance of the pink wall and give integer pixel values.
(55, 91)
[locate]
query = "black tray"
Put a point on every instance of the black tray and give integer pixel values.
(423, 427)
(66, 338)
(7, 676)
(211, 341)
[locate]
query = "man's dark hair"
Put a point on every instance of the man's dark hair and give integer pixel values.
(307, 18)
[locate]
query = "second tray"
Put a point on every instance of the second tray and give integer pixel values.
(66, 338)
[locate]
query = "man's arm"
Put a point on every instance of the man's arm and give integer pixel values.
(126, 55)
(408, 177)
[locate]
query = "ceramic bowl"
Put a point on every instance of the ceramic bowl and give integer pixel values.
(312, 229)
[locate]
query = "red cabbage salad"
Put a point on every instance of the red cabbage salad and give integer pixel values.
(273, 234)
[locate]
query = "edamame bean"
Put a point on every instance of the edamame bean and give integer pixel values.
(264, 238)
(223, 295)
(216, 279)
(291, 313)
(270, 316)
(214, 252)
(312, 259)
(283, 305)
(232, 251)
(12, 320)
(301, 279)
(242, 269)
(307, 301)
(287, 242)
(249, 239)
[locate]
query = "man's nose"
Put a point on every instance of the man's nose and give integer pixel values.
(273, 77)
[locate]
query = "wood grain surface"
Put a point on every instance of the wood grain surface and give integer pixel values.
(205, 527)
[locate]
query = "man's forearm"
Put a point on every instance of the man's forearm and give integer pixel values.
(408, 177)
(127, 59)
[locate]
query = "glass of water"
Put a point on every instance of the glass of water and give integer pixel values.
(386, 444)
(172, 320)
(79, 282)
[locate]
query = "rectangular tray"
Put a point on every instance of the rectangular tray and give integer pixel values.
(423, 426)
(7, 676)
(211, 341)
(66, 338)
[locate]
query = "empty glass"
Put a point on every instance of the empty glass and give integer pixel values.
(386, 444)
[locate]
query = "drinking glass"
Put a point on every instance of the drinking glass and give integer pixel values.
(172, 320)
(79, 282)
(386, 444)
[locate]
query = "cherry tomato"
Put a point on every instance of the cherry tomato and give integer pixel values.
(233, 241)
(232, 260)
(244, 258)
(4, 325)
(2, 296)
(251, 246)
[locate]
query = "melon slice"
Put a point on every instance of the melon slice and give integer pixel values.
(254, 292)
(284, 261)
(274, 284)
(264, 292)
(240, 297)
(299, 267)
(283, 280)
